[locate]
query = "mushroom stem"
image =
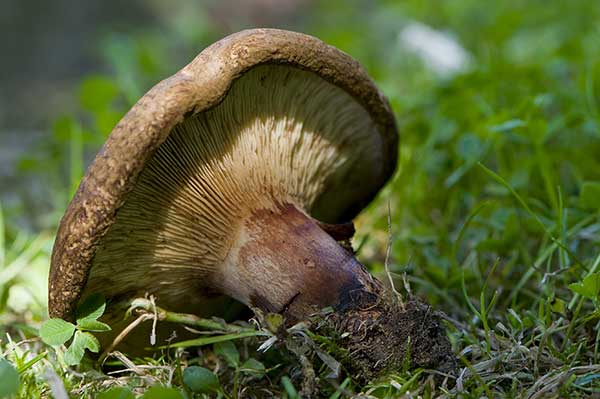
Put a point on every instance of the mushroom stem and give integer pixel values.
(284, 262)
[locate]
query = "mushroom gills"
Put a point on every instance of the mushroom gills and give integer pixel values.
(281, 136)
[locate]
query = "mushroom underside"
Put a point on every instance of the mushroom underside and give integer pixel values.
(281, 137)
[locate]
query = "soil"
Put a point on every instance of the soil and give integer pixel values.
(385, 336)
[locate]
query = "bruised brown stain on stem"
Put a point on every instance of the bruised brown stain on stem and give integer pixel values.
(291, 265)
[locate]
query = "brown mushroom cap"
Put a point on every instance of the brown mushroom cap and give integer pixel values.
(262, 117)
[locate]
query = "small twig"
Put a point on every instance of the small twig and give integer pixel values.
(127, 363)
(140, 370)
(387, 257)
(182, 318)
(141, 318)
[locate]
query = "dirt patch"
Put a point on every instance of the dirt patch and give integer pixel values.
(385, 336)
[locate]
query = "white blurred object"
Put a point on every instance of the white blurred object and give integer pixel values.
(440, 52)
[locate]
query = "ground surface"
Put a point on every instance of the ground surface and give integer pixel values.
(494, 211)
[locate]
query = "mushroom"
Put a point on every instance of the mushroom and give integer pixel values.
(232, 178)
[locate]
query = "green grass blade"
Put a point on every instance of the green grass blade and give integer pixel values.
(504, 183)
(214, 339)
(32, 362)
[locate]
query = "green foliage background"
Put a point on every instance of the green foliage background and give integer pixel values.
(494, 206)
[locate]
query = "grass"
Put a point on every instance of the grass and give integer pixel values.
(495, 209)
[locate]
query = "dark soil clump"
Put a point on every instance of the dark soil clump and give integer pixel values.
(386, 336)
